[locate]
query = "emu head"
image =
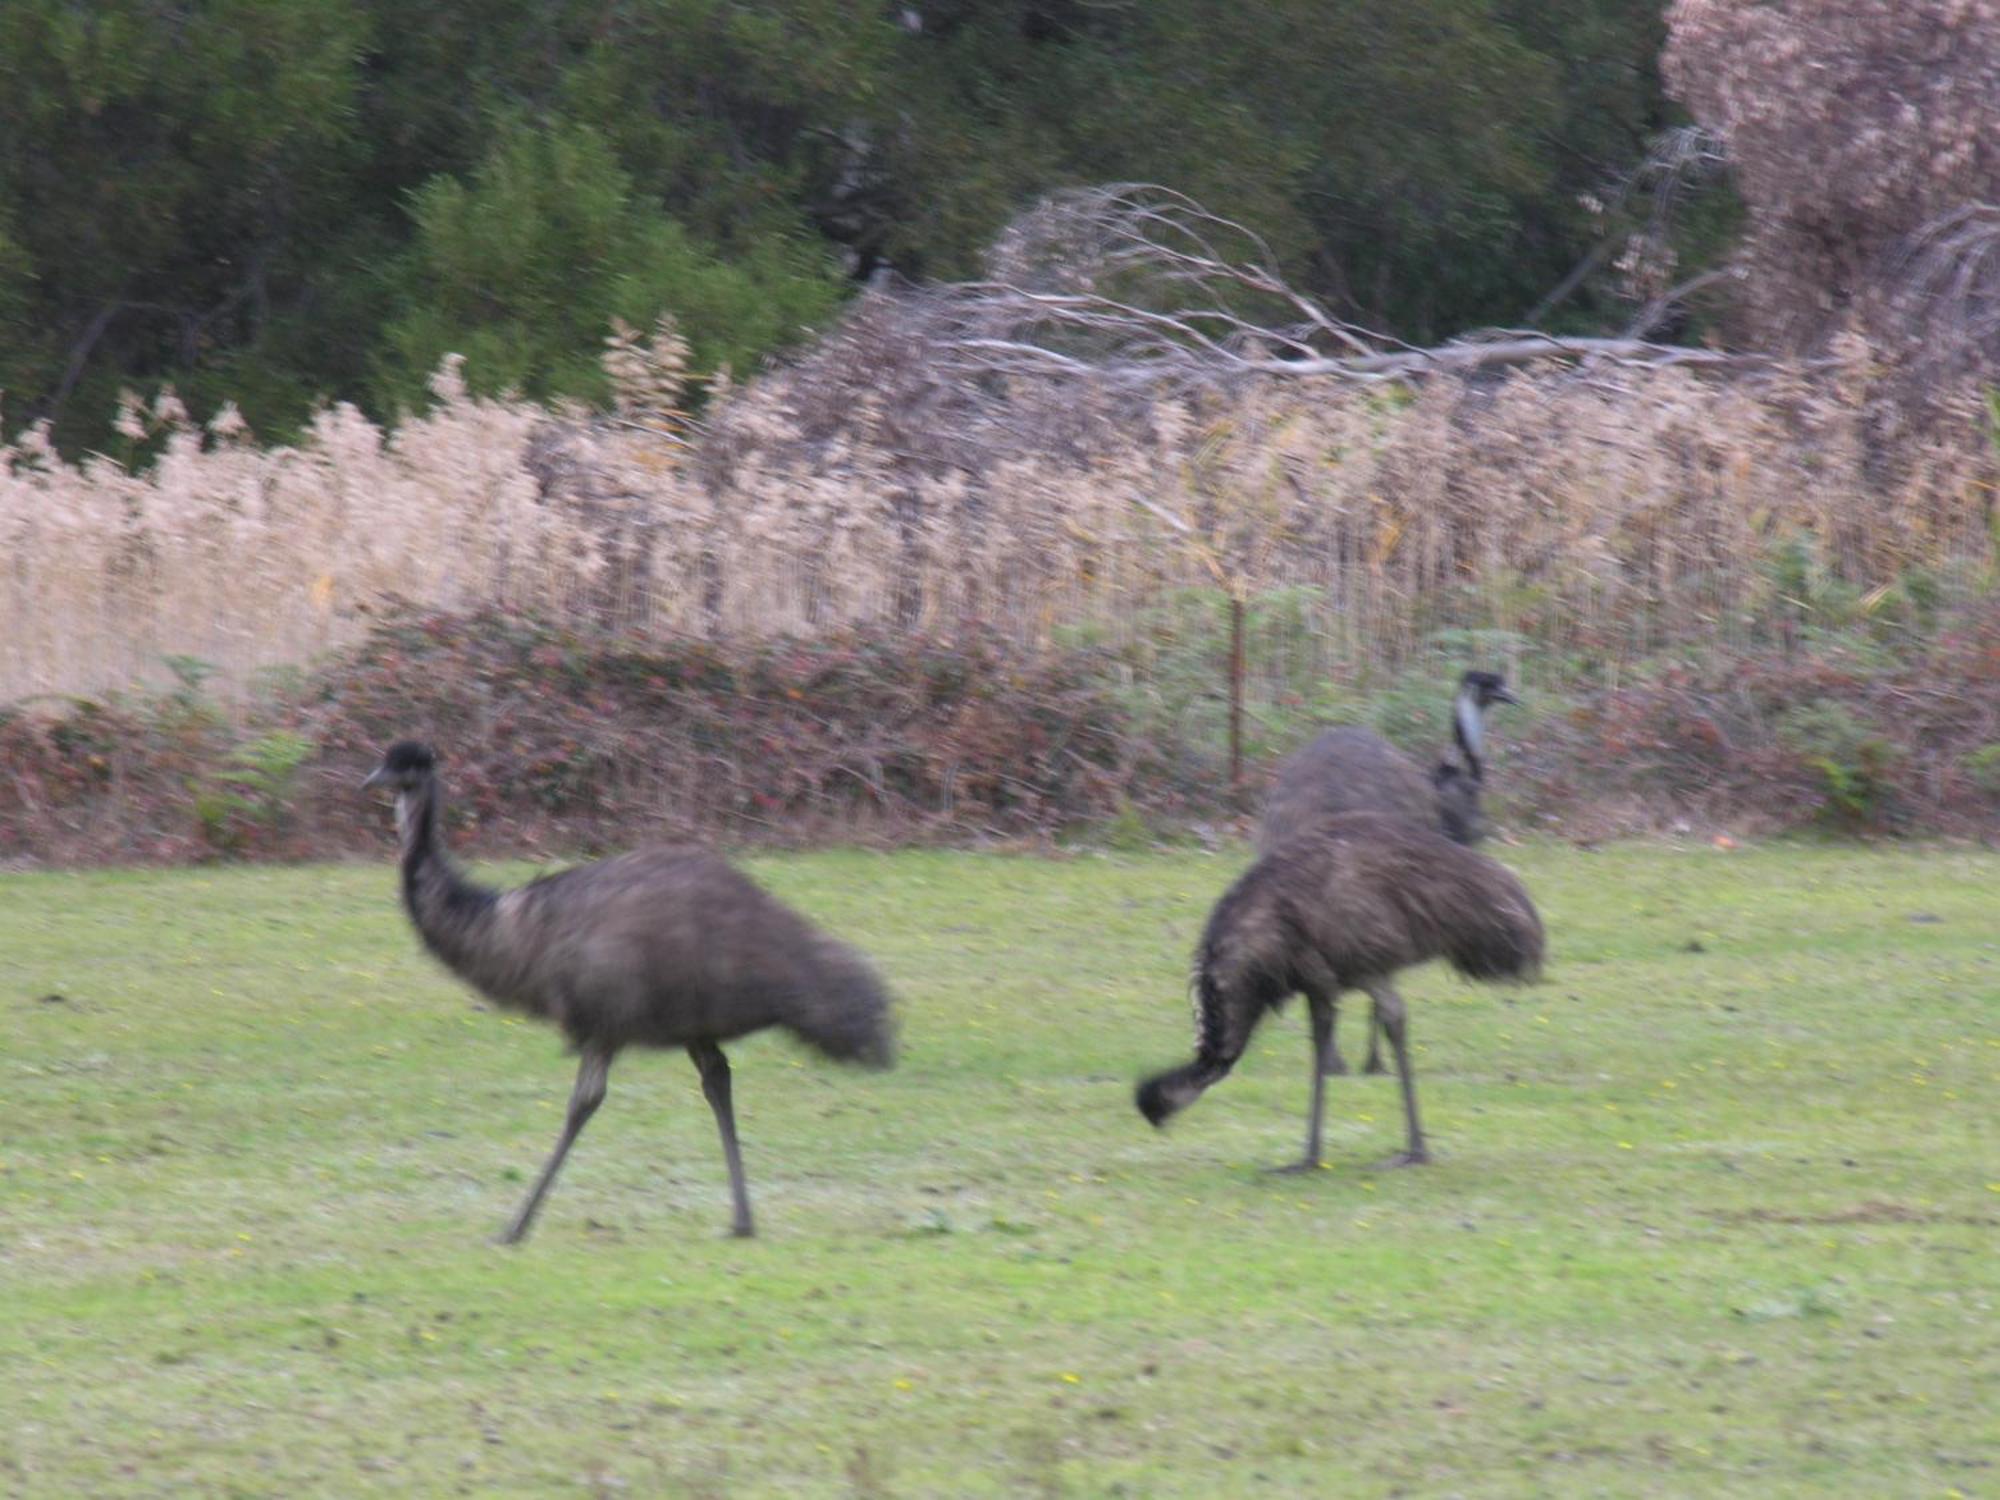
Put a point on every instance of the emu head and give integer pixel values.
(406, 765)
(1477, 692)
(1485, 689)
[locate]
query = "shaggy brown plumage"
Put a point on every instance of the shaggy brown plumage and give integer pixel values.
(1343, 906)
(661, 948)
(1348, 770)
(1345, 769)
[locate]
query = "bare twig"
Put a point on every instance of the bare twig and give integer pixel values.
(1581, 272)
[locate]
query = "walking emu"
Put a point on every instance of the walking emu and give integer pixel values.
(1346, 770)
(1345, 906)
(660, 948)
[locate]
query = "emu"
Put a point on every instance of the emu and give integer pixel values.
(1347, 769)
(657, 948)
(1346, 905)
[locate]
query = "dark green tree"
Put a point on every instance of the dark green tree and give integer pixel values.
(169, 173)
(522, 268)
(278, 201)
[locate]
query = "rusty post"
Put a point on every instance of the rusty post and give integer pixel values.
(1235, 697)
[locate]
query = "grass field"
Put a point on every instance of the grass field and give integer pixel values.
(1715, 1208)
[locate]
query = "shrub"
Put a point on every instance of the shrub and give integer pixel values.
(1856, 764)
(555, 738)
(249, 803)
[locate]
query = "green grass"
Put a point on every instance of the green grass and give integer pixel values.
(1714, 1212)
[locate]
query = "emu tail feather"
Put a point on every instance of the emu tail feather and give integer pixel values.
(842, 1008)
(1498, 937)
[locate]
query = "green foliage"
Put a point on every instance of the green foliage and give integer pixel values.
(16, 275)
(1414, 714)
(1855, 762)
(252, 798)
(1983, 766)
(523, 268)
(1174, 688)
(186, 710)
(278, 200)
(190, 672)
(169, 172)
(265, 768)
(1127, 832)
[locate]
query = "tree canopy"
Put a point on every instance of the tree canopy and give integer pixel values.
(275, 201)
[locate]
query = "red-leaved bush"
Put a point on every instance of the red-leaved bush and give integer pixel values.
(555, 741)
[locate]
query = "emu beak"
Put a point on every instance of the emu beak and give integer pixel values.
(374, 778)
(1501, 695)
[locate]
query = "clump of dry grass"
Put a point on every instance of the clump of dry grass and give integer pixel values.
(251, 557)
(1603, 512)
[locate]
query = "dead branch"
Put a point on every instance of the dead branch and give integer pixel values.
(1137, 286)
(1948, 276)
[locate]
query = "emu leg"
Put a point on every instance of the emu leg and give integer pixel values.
(1394, 1019)
(583, 1102)
(715, 1088)
(1320, 1009)
(1333, 1065)
(1374, 1063)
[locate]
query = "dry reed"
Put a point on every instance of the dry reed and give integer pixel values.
(1607, 512)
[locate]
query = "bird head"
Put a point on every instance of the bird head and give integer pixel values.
(1486, 689)
(405, 766)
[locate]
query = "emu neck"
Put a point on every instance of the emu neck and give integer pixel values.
(450, 912)
(1468, 727)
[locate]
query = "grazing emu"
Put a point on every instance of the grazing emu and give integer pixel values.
(1345, 906)
(661, 948)
(1349, 770)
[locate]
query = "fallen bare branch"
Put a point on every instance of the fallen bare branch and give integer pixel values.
(1137, 287)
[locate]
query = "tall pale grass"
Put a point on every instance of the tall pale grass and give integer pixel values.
(250, 558)
(1605, 512)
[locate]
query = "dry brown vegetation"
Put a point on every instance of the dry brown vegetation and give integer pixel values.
(564, 740)
(1864, 138)
(1601, 512)
(572, 740)
(858, 601)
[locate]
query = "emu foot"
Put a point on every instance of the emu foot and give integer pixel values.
(743, 1231)
(513, 1234)
(1292, 1168)
(1374, 1065)
(1335, 1066)
(1417, 1158)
